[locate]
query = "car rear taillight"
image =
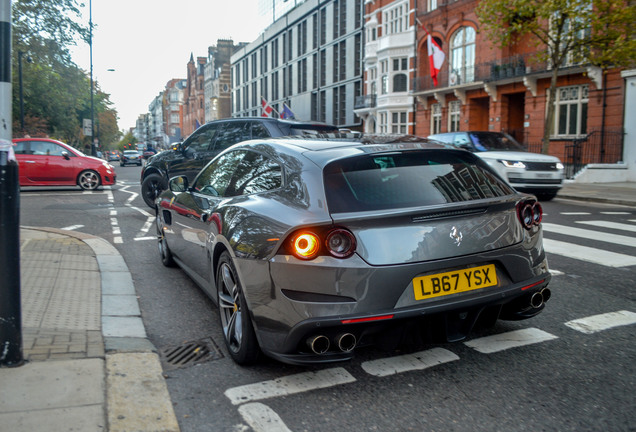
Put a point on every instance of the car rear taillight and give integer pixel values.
(306, 245)
(337, 242)
(530, 213)
(340, 243)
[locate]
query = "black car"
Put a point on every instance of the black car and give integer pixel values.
(209, 140)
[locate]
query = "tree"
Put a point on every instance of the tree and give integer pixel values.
(599, 33)
(126, 142)
(56, 91)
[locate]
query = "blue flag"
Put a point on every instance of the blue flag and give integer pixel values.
(287, 113)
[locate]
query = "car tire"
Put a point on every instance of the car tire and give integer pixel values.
(89, 180)
(238, 331)
(151, 187)
(164, 250)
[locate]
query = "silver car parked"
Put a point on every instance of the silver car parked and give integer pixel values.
(311, 248)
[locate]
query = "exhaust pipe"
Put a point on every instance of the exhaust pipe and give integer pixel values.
(536, 301)
(346, 342)
(318, 344)
(546, 293)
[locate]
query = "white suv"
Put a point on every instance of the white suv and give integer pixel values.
(535, 173)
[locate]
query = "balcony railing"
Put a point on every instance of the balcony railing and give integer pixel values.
(508, 68)
(367, 101)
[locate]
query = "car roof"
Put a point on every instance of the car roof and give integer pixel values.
(324, 149)
(271, 120)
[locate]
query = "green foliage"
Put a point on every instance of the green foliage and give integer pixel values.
(129, 138)
(56, 92)
(599, 32)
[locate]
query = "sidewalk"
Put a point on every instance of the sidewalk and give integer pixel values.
(611, 193)
(89, 365)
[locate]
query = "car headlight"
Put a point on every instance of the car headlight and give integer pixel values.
(513, 164)
(560, 166)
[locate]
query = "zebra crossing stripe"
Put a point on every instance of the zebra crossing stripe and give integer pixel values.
(513, 339)
(262, 418)
(409, 362)
(610, 225)
(588, 254)
(589, 234)
(597, 323)
(288, 385)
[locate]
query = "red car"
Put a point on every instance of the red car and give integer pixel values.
(47, 162)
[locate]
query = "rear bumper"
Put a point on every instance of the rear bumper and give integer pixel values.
(450, 322)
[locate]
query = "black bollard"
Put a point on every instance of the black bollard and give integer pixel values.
(10, 307)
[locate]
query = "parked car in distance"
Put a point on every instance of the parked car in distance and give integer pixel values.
(311, 248)
(47, 162)
(130, 157)
(535, 173)
(113, 155)
(209, 140)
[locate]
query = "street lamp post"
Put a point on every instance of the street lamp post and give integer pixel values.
(90, 44)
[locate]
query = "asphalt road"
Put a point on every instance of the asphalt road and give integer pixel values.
(550, 373)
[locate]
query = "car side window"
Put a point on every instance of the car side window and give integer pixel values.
(21, 147)
(232, 133)
(259, 131)
(44, 148)
(201, 140)
(215, 178)
(256, 173)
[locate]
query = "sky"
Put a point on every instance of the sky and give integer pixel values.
(149, 42)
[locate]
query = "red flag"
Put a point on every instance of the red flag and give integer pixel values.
(267, 110)
(435, 57)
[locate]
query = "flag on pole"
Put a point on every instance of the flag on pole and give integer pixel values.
(287, 113)
(435, 56)
(267, 110)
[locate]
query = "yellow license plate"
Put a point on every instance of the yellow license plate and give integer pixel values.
(441, 284)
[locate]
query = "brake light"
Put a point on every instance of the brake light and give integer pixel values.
(530, 213)
(306, 245)
(337, 242)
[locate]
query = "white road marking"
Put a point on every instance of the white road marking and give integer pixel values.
(72, 227)
(409, 362)
(262, 418)
(588, 254)
(597, 323)
(556, 272)
(113, 212)
(616, 213)
(576, 213)
(288, 385)
(513, 339)
(611, 225)
(590, 235)
(118, 240)
(144, 238)
(144, 230)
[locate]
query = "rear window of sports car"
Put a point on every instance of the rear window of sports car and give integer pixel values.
(408, 179)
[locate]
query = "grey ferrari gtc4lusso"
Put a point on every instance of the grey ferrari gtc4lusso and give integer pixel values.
(311, 248)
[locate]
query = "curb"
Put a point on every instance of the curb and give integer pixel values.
(137, 396)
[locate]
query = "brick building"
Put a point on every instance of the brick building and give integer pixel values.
(482, 87)
(194, 96)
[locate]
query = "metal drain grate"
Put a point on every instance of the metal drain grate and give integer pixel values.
(190, 353)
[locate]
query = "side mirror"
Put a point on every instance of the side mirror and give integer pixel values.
(178, 184)
(65, 155)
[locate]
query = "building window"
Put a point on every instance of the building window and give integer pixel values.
(454, 114)
(398, 122)
(384, 70)
(432, 5)
(382, 124)
(372, 77)
(399, 83)
(462, 61)
(570, 116)
(396, 19)
(436, 118)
